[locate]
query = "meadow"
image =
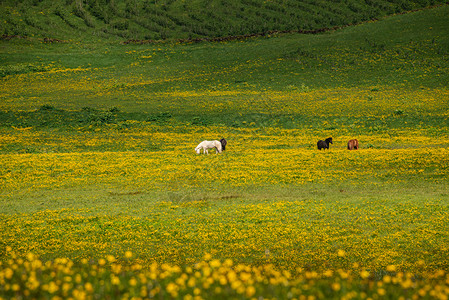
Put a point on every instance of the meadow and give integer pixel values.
(102, 194)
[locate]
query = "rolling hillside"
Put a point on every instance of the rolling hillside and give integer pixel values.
(179, 19)
(98, 169)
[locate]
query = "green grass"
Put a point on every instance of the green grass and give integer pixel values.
(168, 224)
(171, 79)
(97, 139)
(156, 20)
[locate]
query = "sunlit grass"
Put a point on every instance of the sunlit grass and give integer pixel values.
(294, 231)
(255, 157)
(99, 179)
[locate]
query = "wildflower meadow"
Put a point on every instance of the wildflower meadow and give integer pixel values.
(103, 196)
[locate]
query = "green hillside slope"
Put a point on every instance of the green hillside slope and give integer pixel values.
(168, 19)
(390, 69)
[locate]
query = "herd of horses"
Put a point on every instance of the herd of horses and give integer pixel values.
(352, 144)
(220, 145)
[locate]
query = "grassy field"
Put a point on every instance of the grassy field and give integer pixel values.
(101, 192)
(93, 20)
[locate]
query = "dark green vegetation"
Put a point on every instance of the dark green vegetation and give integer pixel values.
(179, 19)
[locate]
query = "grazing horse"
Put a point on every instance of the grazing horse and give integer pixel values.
(223, 144)
(353, 144)
(324, 144)
(209, 145)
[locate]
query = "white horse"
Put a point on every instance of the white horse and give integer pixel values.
(209, 145)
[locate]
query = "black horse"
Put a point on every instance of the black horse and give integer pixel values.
(223, 144)
(324, 144)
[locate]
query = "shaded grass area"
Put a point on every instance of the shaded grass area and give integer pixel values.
(49, 117)
(60, 21)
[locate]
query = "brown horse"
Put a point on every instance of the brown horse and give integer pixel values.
(353, 144)
(324, 144)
